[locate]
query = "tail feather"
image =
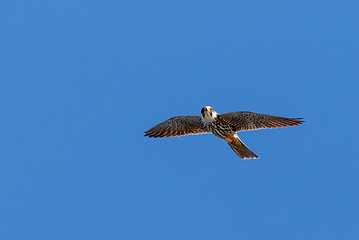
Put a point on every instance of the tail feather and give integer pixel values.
(242, 150)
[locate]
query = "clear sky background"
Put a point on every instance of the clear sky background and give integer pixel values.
(81, 81)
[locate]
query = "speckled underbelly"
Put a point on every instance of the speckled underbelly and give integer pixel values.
(219, 128)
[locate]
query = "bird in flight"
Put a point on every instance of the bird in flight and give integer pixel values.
(224, 126)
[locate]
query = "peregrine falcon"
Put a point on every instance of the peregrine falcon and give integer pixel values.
(224, 126)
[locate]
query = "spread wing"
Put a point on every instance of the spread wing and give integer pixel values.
(178, 126)
(243, 121)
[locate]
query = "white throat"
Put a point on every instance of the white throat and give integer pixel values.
(209, 117)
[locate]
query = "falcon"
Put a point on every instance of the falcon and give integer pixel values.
(224, 126)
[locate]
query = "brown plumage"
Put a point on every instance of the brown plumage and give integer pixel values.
(224, 126)
(178, 126)
(243, 121)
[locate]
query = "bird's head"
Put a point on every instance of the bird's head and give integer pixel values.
(208, 113)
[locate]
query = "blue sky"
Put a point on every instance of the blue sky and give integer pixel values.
(82, 80)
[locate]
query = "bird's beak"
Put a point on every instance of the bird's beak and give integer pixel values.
(206, 109)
